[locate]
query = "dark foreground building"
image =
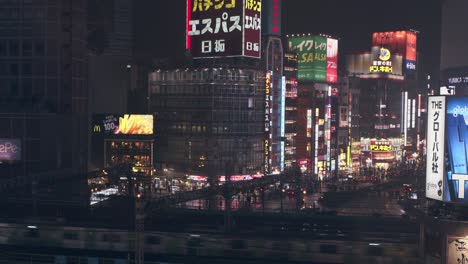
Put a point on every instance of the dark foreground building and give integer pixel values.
(43, 105)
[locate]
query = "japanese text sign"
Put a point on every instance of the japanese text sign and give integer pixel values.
(223, 28)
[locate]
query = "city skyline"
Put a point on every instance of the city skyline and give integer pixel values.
(228, 131)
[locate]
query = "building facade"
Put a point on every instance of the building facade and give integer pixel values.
(290, 74)
(207, 117)
(43, 80)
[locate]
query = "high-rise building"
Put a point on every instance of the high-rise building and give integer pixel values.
(453, 63)
(290, 118)
(388, 80)
(205, 117)
(43, 82)
(317, 103)
(273, 61)
(110, 59)
(210, 116)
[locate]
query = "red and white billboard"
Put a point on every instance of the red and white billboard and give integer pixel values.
(223, 28)
(399, 43)
(332, 60)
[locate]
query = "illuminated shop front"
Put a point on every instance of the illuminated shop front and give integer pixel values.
(380, 153)
(124, 141)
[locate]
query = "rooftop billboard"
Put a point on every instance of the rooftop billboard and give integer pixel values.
(223, 28)
(399, 42)
(317, 57)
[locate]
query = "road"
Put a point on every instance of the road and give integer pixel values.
(374, 203)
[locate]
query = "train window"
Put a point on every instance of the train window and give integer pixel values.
(154, 240)
(238, 244)
(70, 236)
(111, 238)
(375, 251)
(328, 249)
(194, 241)
(32, 233)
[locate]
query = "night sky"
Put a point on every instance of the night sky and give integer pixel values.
(160, 24)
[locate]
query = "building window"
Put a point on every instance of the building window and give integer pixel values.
(14, 69)
(3, 48)
(39, 48)
(13, 48)
(26, 69)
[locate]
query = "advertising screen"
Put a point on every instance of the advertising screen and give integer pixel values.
(332, 60)
(410, 59)
(456, 175)
(224, 28)
(10, 149)
(312, 57)
(127, 124)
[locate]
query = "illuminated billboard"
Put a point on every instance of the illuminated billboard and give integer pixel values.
(127, 124)
(399, 42)
(447, 149)
(223, 28)
(380, 146)
(10, 149)
(435, 147)
(317, 57)
(268, 107)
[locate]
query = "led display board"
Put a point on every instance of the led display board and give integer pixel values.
(399, 42)
(126, 124)
(223, 28)
(10, 149)
(317, 58)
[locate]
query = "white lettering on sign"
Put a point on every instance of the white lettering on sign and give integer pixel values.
(252, 22)
(8, 147)
(221, 25)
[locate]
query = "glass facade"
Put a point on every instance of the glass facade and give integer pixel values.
(43, 86)
(207, 117)
(290, 73)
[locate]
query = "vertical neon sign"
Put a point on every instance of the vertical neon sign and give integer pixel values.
(267, 122)
(187, 25)
(282, 117)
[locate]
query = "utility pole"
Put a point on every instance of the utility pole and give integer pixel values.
(227, 196)
(139, 229)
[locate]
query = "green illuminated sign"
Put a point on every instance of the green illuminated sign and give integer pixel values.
(312, 57)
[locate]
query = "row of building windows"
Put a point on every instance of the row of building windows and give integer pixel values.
(205, 103)
(204, 89)
(28, 87)
(207, 74)
(227, 128)
(25, 47)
